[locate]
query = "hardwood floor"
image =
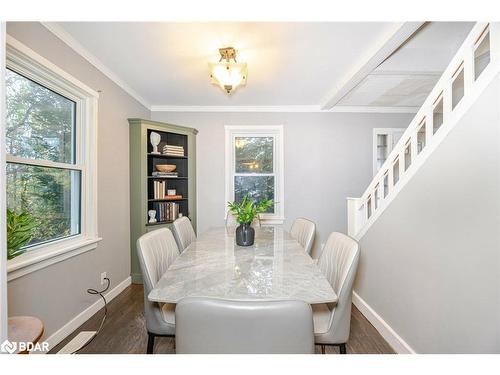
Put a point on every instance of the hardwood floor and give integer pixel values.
(124, 331)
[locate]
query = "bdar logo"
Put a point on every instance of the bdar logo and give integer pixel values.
(8, 347)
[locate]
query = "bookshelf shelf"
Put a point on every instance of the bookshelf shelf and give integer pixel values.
(167, 200)
(167, 178)
(147, 191)
(163, 156)
(159, 223)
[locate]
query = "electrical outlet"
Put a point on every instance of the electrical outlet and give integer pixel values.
(103, 276)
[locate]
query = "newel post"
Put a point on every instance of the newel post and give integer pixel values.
(353, 216)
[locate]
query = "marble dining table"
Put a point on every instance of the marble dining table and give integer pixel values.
(276, 267)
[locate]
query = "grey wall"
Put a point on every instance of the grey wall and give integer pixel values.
(430, 263)
(56, 294)
(328, 157)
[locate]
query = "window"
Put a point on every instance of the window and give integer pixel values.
(51, 172)
(254, 161)
(42, 176)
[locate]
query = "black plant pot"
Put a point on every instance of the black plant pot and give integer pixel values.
(245, 235)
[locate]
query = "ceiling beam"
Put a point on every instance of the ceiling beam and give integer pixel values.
(381, 51)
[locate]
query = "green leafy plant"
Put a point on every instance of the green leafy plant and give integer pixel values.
(20, 229)
(246, 210)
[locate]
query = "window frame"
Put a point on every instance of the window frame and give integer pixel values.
(31, 65)
(274, 131)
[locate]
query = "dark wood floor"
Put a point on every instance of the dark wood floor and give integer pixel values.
(125, 332)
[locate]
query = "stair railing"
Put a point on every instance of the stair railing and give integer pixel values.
(474, 65)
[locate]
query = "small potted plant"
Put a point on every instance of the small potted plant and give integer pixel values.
(245, 212)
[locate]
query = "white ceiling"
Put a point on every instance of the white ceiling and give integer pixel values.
(409, 74)
(289, 64)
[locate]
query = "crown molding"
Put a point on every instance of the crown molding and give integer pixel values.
(283, 109)
(62, 34)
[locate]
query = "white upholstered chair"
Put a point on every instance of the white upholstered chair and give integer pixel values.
(339, 263)
(215, 326)
(183, 232)
(303, 231)
(156, 251)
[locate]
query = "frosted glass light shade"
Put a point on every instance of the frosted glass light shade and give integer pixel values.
(228, 75)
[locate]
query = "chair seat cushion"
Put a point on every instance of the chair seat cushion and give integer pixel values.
(168, 312)
(321, 317)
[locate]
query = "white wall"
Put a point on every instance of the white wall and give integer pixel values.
(430, 264)
(57, 293)
(328, 157)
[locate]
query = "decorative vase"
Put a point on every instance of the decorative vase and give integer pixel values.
(155, 140)
(245, 235)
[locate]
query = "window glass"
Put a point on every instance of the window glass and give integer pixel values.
(40, 123)
(253, 154)
(257, 188)
(50, 195)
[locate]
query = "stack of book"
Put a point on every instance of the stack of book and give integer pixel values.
(173, 150)
(159, 189)
(166, 211)
(165, 174)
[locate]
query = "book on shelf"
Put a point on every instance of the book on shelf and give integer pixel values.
(173, 150)
(172, 147)
(165, 174)
(166, 211)
(173, 197)
(159, 189)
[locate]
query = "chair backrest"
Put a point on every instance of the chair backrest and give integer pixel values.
(339, 263)
(211, 326)
(231, 220)
(303, 231)
(156, 251)
(184, 232)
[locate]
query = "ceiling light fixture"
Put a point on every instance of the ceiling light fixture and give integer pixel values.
(226, 74)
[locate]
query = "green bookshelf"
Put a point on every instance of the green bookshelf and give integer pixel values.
(142, 165)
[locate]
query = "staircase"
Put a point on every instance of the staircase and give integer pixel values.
(474, 66)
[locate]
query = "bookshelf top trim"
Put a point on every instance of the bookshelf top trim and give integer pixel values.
(182, 129)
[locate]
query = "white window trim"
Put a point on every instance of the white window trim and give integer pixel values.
(3, 234)
(22, 59)
(276, 131)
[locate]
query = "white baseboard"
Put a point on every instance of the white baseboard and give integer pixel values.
(85, 315)
(393, 339)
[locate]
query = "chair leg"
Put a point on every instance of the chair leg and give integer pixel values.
(322, 349)
(151, 343)
(343, 349)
